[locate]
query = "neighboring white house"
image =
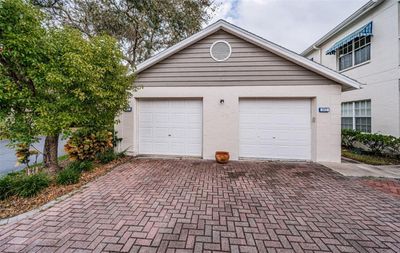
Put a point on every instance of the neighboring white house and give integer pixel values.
(365, 47)
(227, 89)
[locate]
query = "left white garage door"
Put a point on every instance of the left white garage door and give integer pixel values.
(170, 127)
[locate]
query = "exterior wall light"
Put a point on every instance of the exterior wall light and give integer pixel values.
(221, 101)
(128, 109)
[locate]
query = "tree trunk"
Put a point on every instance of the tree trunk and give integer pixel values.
(50, 153)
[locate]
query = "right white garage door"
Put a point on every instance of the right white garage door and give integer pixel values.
(275, 129)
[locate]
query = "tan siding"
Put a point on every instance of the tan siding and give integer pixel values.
(248, 65)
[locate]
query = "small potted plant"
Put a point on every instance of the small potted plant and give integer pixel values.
(222, 156)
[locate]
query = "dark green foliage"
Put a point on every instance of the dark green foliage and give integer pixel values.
(23, 185)
(376, 144)
(107, 156)
(86, 165)
(81, 165)
(28, 186)
(67, 176)
(348, 137)
(7, 185)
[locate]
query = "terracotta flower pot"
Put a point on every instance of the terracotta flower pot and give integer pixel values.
(222, 156)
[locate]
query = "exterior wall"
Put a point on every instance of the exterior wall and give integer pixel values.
(381, 74)
(247, 65)
(221, 122)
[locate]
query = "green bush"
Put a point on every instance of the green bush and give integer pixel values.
(7, 186)
(28, 186)
(23, 185)
(69, 175)
(348, 137)
(107, 156)
(81, 165)
(376, 144)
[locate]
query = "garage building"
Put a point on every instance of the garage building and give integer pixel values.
(227, 89)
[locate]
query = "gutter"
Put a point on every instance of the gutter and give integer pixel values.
(345, 23)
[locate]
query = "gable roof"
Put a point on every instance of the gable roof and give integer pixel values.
(344, 24)
(346, 82)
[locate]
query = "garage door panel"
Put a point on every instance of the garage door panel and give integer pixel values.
(275, 128)
(146, 132)
(193, 134)
(170, 127)
(249, 135)
(160, 133)
(160, 148)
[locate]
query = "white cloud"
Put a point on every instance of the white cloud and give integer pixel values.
(291, 23)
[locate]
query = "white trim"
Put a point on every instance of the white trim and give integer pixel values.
(353, 56)
(345, 23)
(353, 111)
(226, 43)
(354, 66)
(346, 82)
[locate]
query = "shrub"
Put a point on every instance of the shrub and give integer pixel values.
(69, 175)
(107, 156)
(377, 144)
(81, 165)
(7, 186)
(348, 137)
(28, 186)
(86, 146)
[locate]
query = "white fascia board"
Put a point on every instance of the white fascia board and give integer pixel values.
(348, 83)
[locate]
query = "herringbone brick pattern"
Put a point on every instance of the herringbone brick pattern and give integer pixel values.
(193, 205)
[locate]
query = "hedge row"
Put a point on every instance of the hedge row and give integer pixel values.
(376, 144)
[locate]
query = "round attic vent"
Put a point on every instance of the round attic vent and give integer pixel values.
(220, 50)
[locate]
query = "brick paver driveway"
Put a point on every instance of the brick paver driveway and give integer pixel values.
(194, 205)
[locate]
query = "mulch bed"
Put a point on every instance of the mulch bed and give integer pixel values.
(391, 186)
(18, 205)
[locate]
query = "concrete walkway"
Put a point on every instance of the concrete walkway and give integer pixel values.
(364, 170)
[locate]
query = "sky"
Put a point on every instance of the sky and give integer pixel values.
(294, 24)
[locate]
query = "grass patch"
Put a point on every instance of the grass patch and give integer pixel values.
(369, 159)
(23, 185)
(81, 166)
(68, 176)
(108, 156)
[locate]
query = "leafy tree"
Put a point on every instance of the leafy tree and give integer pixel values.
(142, 27)
(52, 80)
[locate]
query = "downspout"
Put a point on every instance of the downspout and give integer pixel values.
(319, 53)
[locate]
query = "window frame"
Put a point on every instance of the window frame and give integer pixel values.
(353, 53)
(354, 115)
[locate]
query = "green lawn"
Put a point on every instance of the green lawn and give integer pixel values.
(369, 159)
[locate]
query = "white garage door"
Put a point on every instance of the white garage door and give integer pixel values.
(170, 127)
(275, 128)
